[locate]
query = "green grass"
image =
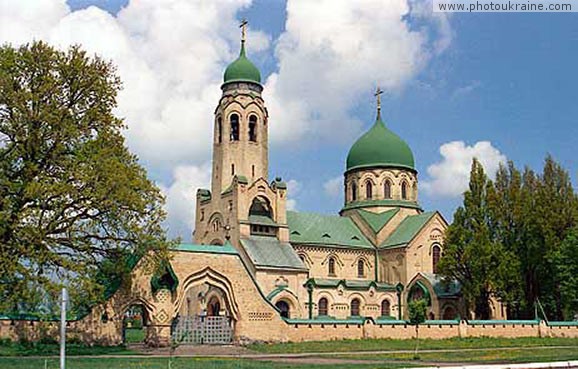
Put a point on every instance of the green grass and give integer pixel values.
(536, 354)
(8, 348)
(177, 363)
(134, 335)
(390, 344)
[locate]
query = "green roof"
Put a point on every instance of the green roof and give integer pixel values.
(350, 284)
(377, 220)
(380, 147)
(359, 204)
(407, 230)
(262, 220)
(329, 230)
(242, 69)
(270, 252)
(227, 248)
(442, 288)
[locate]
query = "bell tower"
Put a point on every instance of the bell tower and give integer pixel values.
(240, 138)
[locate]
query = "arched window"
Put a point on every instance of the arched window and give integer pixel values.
(385, 308)
(253, 128)
(387, 189)
(353, 191)
(283, 306)
(360, 268)
(404, 190)
(214, 308)
(331, 266)
(368, 190)
(435, 256)
(234, 127)
(219, 130)
(322, 306)
(355, 307)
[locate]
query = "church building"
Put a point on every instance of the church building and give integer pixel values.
(379, 251)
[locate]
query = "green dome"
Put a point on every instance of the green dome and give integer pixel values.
(380, 147)
(242, 70)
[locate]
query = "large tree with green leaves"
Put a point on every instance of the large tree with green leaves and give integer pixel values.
(71, 194)
(473, 254)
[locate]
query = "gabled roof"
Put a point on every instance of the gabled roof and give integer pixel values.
(330, 230)
(270, 252)
(377, 220)
(407, 230)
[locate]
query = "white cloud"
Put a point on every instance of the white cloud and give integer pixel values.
(181, 198)
(293, 188)
(335, 51)
(171, 55)
(450, 176)
(334, 186)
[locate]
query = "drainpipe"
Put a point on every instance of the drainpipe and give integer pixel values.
(310, 291)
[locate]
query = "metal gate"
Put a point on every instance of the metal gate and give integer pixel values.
(198, 330)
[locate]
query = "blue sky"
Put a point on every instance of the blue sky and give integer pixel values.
(508, 79)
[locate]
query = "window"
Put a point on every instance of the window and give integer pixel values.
(385, 308)
(387, 189)
(283, 306)
(253, 170)
(353, 191)
(253, 128)
(234, 127)
(368, 190)
(436, 254)
(322, 306)
(219, 130)
(232, 169)
(404, 190)
(355, 307)
(360, 269)
(331, 266)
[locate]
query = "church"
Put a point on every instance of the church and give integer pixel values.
(367, 261)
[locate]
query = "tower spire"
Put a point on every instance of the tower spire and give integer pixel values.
(377, 94)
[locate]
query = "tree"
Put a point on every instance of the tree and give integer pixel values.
(417, 310)
(473, 254)
(71, 194)
(566, 261)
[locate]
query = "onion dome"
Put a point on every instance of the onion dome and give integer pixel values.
(380, 147)
(242, 69)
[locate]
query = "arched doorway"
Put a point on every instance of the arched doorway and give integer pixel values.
(214, 307)
(204, 317)
(134, 324)
(449, 313)
(284, 308)
(355, 304)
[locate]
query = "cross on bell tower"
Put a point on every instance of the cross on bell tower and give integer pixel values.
(377, 95)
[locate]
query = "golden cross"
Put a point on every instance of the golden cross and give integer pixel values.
(377, 94)
(243, 27)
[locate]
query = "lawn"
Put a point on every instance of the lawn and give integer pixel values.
(177, 363)
(390, 344)
(8, 348)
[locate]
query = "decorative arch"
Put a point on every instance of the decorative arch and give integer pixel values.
(234, 126)
(361, 262)
(436, 254)
(305, 258)
(387, 189)
(212, 278)
(449, 312)
(368, 189)
(385, 307)
(261, 206)
(336, 260)
(216, 221)
(404, 190)
(253, 125)
(290, 297)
